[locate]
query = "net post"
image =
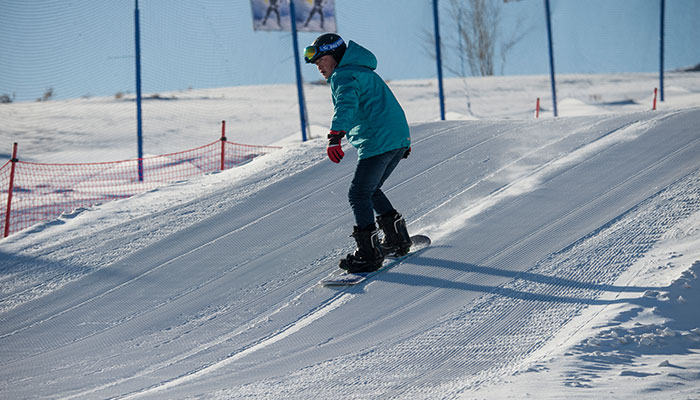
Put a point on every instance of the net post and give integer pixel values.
(10, 189)
(139, 116)
(441, 93)
(551, 56)
(223, 143)
(661, 50)
(300, 86)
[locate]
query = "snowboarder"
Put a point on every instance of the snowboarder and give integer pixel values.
(366, 111)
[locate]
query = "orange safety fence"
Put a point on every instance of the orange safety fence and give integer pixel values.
(33, 192)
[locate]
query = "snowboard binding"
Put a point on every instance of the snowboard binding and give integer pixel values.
(368, 257)
(397, 241)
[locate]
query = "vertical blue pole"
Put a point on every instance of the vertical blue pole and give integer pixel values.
(439, 59)
(300, 88)
(661, 51)
(139, 124)
(551, 56)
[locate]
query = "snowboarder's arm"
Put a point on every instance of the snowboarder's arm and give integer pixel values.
(346, 101)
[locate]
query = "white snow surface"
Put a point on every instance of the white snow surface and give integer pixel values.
(565, 260)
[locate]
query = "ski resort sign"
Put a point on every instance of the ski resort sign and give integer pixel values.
(311, 15)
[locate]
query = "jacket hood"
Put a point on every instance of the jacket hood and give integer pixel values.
(358, 56)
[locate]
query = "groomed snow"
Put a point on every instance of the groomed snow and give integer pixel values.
(565, 259)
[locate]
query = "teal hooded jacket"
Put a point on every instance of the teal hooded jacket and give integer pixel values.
(365, 107)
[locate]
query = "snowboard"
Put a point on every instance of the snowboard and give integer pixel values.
(420, 242)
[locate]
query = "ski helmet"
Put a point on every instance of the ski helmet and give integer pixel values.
(326, 44)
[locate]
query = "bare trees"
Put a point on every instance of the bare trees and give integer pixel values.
(479, 34)
(477, 26)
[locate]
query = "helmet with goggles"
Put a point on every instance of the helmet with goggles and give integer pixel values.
(326, 44)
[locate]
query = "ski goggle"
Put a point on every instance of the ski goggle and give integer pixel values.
(313, 53)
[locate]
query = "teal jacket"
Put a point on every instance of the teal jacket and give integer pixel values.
(365, 107)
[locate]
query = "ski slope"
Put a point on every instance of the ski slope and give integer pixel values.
(553, 240)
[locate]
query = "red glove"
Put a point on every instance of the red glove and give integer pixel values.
(334, 149)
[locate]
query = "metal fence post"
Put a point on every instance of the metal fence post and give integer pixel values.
(10, 189)
(438, 55)
(300, 86)
(223, 143)
(139, 118)
(661, 50)
(551, 56)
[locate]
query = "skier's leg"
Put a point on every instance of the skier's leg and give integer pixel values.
(370, 174)
(396, 238)
(368, 256)
(380, 202)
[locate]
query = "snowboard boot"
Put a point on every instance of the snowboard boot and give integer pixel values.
(397, 241)
(368, 257)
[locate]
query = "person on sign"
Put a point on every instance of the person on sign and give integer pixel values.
(270, 8)
(368, 114)
(317, 8)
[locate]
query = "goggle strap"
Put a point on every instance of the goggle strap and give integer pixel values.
(331, 46)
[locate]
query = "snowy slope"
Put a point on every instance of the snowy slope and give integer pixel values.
(555, 244)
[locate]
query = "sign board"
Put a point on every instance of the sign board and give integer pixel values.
(311, 15)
